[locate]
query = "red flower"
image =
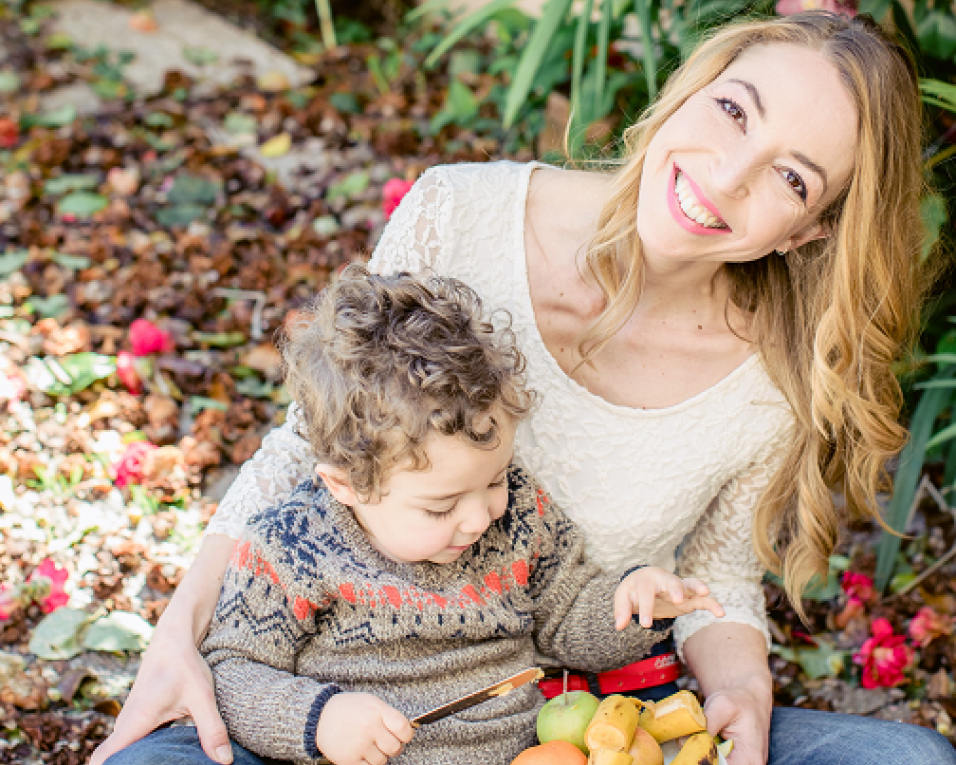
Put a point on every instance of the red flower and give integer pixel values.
(928, 625)
(146, 338)
(126, 369)
(47, 581)
(393, 193)
(789, 7)
(858, 587)
(129, 468)
(885, 657)
(9, 133)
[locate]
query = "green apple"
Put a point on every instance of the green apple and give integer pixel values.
(566, 718)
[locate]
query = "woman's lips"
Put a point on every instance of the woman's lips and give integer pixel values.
(673, 204)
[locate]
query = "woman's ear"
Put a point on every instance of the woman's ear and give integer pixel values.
(337, 482)
(811, 233)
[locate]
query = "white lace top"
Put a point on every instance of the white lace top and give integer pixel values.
(673, 487)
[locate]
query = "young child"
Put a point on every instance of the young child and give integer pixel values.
(424, 564)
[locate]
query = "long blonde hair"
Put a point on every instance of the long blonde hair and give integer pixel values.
(831, 317)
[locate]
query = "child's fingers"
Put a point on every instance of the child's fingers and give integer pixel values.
(398, 725)
(623, 606)
(705, 604)
(696, 587)
(645, 607)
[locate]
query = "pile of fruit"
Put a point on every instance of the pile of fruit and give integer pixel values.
(576, 729)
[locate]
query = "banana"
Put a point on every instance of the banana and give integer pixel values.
(610, 757)
(645, 750)
(613, 725)
(677, 715)
(700, 749)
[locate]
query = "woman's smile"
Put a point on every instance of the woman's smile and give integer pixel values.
(691, 208)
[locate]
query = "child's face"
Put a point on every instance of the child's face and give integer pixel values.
(436, 514)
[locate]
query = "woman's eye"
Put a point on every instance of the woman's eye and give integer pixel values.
(796, 183)
(499, 483)
(734, 111)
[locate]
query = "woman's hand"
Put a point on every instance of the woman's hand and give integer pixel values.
(161, 695)
(741, 714)
(730, 663)
(173, 680)
(653, 593)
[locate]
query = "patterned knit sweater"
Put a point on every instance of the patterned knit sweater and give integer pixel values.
(310, 608)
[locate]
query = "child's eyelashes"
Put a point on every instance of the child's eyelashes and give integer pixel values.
(439, 513)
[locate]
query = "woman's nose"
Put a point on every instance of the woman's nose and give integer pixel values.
(732, 172)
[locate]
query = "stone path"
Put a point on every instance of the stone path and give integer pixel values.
(183, 28)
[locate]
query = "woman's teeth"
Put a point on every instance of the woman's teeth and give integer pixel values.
(692, 208)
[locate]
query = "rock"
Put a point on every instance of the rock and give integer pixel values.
(182, 28)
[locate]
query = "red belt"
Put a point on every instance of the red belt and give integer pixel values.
(647, 673)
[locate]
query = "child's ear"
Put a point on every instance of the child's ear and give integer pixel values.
(337, 482)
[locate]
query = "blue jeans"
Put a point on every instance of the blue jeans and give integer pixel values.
(797, 737)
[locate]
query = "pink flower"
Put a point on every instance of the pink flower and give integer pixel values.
(789, 7)
(48, 581)
(858, 587)
(885, 657)
(9, 600)
(129, 468)
(393, 192)
(126, 369)
(146, 338)
(928, 625)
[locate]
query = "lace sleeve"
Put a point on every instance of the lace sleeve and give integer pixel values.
(417, 233)
(720, 552)
(283, 461)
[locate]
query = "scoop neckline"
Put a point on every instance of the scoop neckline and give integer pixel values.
(527, 308)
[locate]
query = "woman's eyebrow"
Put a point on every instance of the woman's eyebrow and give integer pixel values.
(754, 95)
(813, 166)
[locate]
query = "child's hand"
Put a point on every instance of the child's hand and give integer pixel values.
(361, 729)
(653, 593)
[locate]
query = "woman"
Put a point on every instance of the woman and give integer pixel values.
(711, 327)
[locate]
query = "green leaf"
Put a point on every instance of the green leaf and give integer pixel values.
(82, 204)
(464, 27)
(9, 82)
(68, 374)
(199, 56)
(534, 53)
(63, 184)
(61, 117)
(907, 477)
(425, 8)
(198, 403)
(52, 307)
(73, 262)
(346, 103)
(599, 78)
(118, 631)
(58, 41)
(12, 260)
(350, 186)
(937, 34)
(180, 216)
(643, 11)
(57, 635)
(237, 123)
(193, 189)
(579, 55)
(219, 339)
(876, 8)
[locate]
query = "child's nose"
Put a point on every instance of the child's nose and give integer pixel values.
(477, 518)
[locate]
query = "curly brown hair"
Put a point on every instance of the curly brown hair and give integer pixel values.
(378, 363)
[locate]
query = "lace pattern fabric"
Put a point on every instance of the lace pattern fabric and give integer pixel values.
(672, 487)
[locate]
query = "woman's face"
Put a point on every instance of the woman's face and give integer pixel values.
(747, 164)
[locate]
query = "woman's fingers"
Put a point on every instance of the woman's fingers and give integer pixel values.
(210, 728)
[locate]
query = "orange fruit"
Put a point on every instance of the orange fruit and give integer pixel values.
(552, 753)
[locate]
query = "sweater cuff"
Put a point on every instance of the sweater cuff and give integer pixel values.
(312, 721)
(658, 625)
